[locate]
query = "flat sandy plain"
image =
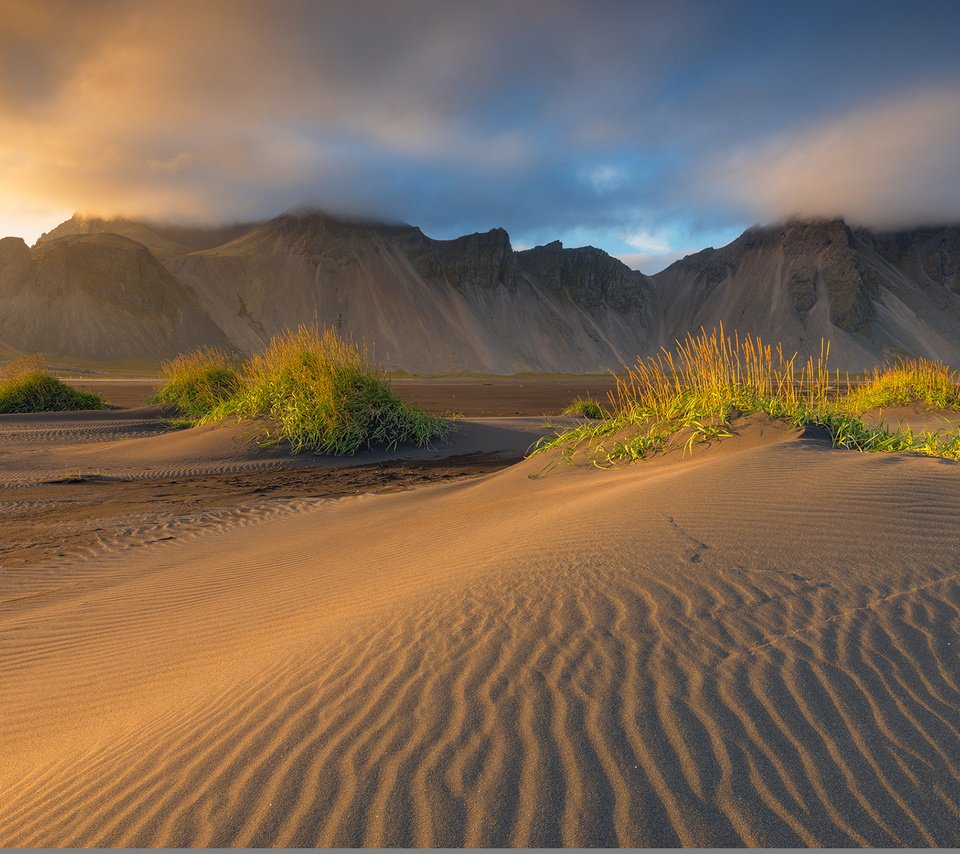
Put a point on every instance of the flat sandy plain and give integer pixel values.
(204, 642)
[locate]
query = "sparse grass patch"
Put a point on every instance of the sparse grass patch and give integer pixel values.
(907, 381)
(27, 386)
(196, 383)
(319, 392)
(689, 396)
(849, 431)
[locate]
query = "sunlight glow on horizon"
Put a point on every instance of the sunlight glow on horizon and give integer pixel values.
(614, 125)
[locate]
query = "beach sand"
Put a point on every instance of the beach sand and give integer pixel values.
(753, 645)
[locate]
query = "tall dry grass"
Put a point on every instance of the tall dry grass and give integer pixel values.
(710, 375)
(690, 394)
(31, 363)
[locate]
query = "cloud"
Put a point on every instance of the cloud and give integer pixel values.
(653, 262)
(646, 241)
(42, 44)
(604, 177)
(890, 164)
(615, 118)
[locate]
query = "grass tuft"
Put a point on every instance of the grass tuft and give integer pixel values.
(196, 383)
(27, 386)
(584, 407)
(319, 392)
(684, 397)
(907, 381)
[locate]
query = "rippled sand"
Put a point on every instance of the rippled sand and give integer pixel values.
(755, 646)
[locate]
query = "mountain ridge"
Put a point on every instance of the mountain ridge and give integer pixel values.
(804, 280)
(122, 289)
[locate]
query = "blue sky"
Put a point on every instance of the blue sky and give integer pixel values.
(649, 129)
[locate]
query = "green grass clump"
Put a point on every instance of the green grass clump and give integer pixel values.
(689, 396)
(195, 384)
(849, 431)
(318, 392)
(584, 407)
(27, 386)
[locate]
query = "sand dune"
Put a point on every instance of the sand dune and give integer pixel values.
(685, 652)
(914, 417)
(139, 443)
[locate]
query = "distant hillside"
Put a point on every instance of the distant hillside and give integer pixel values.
(470, 305)
(97, 296)
(161, 239)
(124, 290)
(873, 295)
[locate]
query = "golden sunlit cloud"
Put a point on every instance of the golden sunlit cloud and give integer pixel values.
(161, 119)
(544, 117)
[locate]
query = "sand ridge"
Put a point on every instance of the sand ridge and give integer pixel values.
(696, 652)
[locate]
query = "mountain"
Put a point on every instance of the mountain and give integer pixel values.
(97, 296)
(425, 306)
(163, 239)
(873, 295)
(124, 290)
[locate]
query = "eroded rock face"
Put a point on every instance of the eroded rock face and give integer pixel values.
(588, 276)
(481, 260)
(940, 260)
(849, 283)
(925, 254)
(473, 304)
(802, 286)
(823, 253)
(100, 296)
(14, 259)
(801, 282)
(110, 269)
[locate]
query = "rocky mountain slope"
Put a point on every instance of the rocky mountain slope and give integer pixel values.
(119, 290)
(97, 296)
(874, 296)
(426, 306)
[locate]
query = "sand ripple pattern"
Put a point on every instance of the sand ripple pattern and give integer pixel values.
(71, 428)
(126, 537)
(127, 445)
(754, 649)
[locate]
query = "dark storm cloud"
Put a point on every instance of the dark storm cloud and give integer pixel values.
(545, 117)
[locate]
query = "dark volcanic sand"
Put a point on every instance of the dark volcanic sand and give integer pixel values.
(74, 517)
(71, 517)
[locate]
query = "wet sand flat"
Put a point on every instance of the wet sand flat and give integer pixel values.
(752, 645)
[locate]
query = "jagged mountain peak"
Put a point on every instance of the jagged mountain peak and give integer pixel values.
(801, 281)
(473, 303)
